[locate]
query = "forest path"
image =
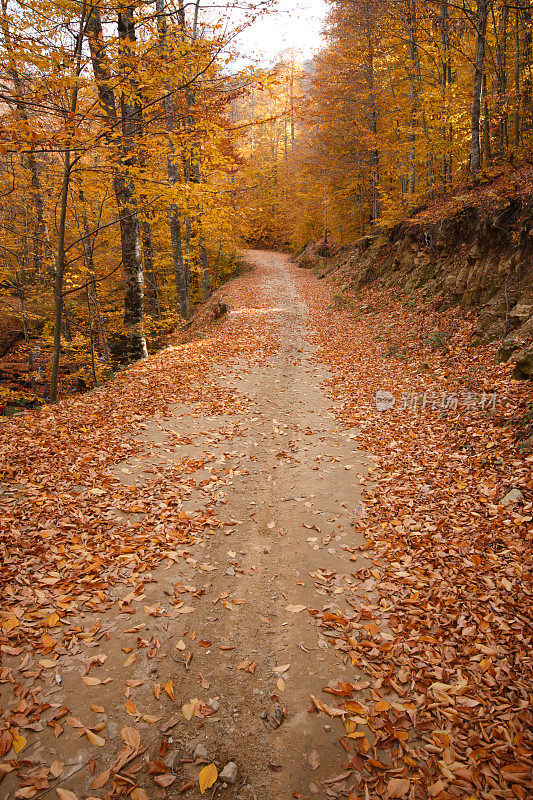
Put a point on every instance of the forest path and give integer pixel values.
(225, 616)
(181, 555)
(290, 482)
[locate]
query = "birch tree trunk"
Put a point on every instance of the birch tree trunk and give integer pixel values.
(479, 63)
(130, 237)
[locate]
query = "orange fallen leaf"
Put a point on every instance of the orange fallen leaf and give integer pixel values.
(398, 787)
(56, 768)
(207, 777)
(130, 736)
(247, 666)
(10, 624)
(333, 712)
(169, 689)
(131, 708)
(98, 741)
(19, 741)
(191, 708)
(139, 794)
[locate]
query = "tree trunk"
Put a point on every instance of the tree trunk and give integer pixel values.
(63, 204)
(40, 234)
(517, 76)
(151, 292)
(487, 149)
(479, 63)
(130, 237)
(204, 268)
(501, 52)
(181, 275)
(444, 83)
(192, 168)
(88, 247)
(196, 177)
(413, 96)
(527, 114)
(374, 153)
(291, 96)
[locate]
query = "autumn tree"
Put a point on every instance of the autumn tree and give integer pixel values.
(408, 98)
(115, 124)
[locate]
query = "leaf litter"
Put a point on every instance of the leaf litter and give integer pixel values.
(440, 627)
(72, 533)
(441, 620)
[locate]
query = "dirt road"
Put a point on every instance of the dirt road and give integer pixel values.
(240, 643)
(290, 483)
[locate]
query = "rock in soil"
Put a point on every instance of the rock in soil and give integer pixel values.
(275, 715)
(200, 753)
(229, 773)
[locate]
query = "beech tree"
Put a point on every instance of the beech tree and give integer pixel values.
(479, 63)
(123, 183)
(115, 125)
(407, 99)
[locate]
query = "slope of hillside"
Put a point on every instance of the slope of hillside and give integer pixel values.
(472, 250)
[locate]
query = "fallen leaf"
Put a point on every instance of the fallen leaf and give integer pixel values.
(247, 666)
(313, 759)
(19, 741)
(207, 777)
(398, 787)
(169, 689)
(98, 741)
(131, 737)
(56, 768)
(139, 794)
(101, 779)
(165, 780)
(131, 708)
(189, 709)
(333, 712)
(90, 681)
